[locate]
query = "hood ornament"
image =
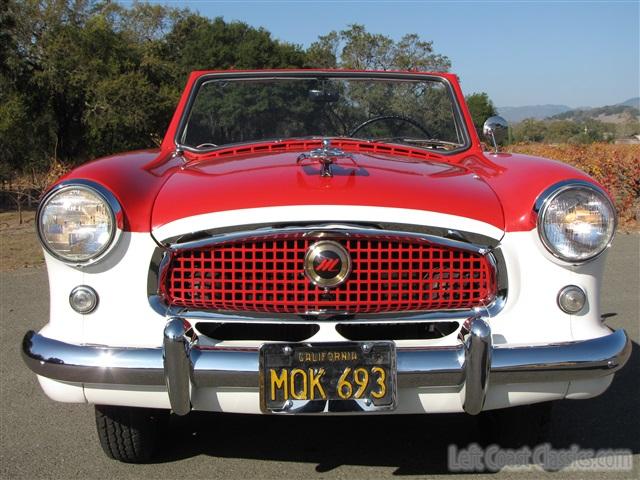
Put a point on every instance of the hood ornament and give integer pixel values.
(325, 156)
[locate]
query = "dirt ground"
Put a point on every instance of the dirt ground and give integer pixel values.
(19, 247)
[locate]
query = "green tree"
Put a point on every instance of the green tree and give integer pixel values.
(529, 130)
(197, 43)
(563, 131)
(84, 78)
(481, 107)
(356, 48)
(81, 79)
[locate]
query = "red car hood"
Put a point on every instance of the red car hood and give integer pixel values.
(277, 179)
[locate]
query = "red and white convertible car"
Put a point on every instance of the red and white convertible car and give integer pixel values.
(321, 242)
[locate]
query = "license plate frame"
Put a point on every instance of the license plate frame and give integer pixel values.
(377, 358)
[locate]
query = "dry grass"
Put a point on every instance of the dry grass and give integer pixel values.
(19, 247)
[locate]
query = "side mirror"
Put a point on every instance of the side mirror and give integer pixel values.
(495, 130)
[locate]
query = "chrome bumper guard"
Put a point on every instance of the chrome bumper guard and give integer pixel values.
(182, 364)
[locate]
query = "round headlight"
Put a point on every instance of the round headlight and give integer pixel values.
(576, 222)
(77, 223)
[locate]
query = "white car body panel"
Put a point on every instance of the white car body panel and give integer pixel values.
(124, 317)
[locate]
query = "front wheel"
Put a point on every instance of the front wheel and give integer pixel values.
(129, 434)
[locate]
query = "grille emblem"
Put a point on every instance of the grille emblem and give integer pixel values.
(327, 264)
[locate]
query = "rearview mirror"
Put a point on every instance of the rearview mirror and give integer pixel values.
(323, 96)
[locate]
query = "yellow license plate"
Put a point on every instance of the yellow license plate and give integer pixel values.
(353, 376)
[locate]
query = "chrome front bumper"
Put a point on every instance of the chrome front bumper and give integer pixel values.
(182, 364)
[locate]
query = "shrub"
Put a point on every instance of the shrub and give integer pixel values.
(616, 167)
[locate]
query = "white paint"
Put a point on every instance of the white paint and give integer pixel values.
(531, 314)
(410, 400)
(147, 397)
(125, 318)
(589, 388)
(61, 391)
(323, 213)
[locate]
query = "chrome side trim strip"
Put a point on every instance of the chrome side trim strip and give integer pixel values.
(465, 366)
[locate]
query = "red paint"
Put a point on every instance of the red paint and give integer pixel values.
(328, 265)
(135, 178)
(267, 275)
(345, 144)
(266, 174)
(168, 142)
(276, 179)
(521, 179)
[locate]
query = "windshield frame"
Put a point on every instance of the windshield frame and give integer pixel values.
(458, 117)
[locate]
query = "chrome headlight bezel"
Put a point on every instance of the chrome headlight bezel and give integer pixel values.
(549, 195)
(115, 214)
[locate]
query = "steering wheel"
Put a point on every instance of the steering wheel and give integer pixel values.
(390, 117)
(206, 144)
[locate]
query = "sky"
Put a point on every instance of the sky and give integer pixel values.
(575, 53)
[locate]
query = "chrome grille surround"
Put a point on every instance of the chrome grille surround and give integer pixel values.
(454, 239)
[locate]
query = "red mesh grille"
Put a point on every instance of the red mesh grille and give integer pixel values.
(267, 275)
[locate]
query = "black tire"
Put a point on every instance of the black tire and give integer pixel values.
(515, 427)
(129, 434)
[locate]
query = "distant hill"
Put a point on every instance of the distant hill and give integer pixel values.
(632, 102)
(620, 113)
(517, 114)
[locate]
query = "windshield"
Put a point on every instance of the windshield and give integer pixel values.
(421, 113)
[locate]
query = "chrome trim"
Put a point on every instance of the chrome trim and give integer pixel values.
(92, 364)
(310, 269)
(322, 231)
(491, 310)
(90, 291)
(593, 358)
(178, 369)
(465, 367)
(117, 217)
(225, 367)
(477, 355)
(564, 290)
(325, 156)
(496, 129)
(465, 237)
(326, 231)
(552, 192)
(462, 128)
(315, 317)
